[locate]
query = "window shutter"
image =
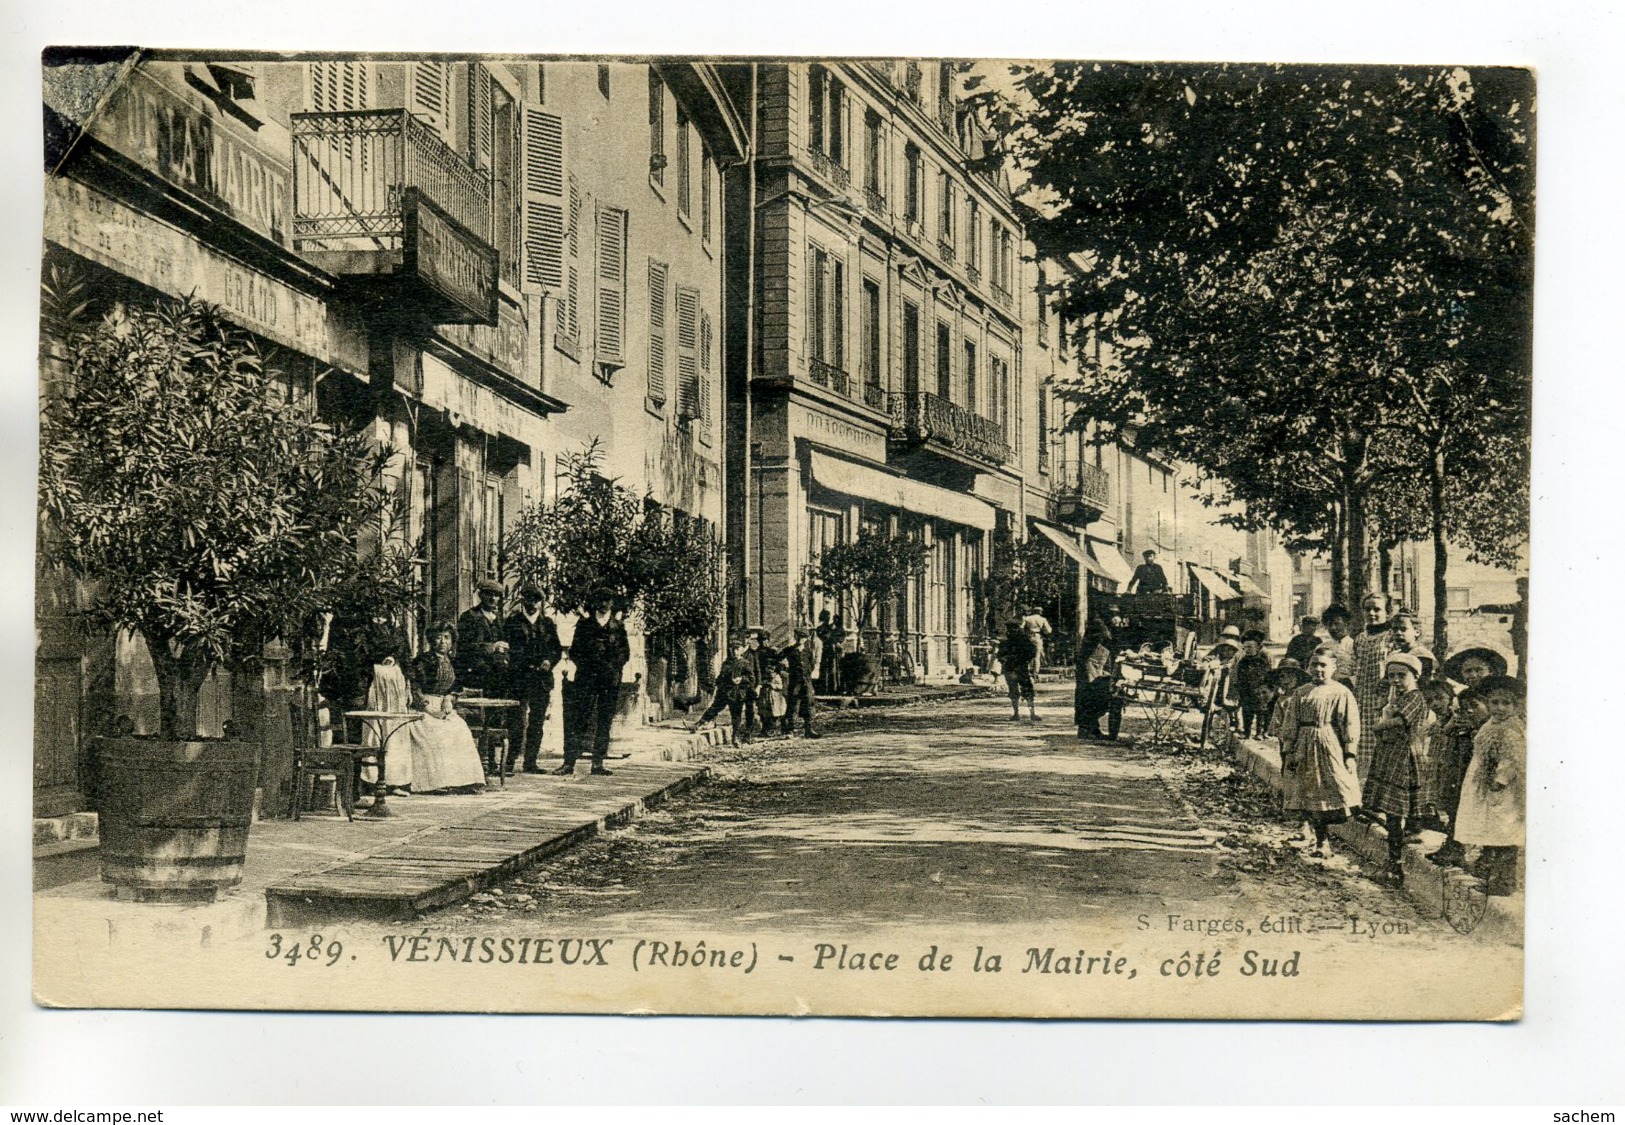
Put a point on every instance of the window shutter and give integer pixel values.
(688, 342)
(610, 335)
(479, 111)
(336, 86)
(657, 331)
(572, 293)
(706, 367)
(431, 93)
(544, 216)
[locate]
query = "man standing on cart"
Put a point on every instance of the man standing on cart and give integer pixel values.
(1149, 577)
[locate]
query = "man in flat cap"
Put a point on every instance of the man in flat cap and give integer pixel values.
(533, 651)
(482, 651)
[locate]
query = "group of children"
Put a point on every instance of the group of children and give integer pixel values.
(1386, 731)
(764, 689)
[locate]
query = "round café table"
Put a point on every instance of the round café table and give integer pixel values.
(485, 706)
(388, 725)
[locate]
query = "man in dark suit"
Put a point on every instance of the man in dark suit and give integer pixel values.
(1148, 577)
(798, 693)
(482, 651)
(592, 686)
(533, 650)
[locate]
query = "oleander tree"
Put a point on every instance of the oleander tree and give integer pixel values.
(869, 570)
(206, 513)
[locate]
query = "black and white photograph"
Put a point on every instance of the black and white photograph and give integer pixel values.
(834, 535)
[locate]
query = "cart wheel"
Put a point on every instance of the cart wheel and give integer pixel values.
(1465, 903)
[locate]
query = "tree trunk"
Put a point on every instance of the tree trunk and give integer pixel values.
(1359, 552)
(1340, 573)
(1385, 566)
(1441, 555)
(180, 683)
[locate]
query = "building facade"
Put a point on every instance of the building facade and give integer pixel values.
(876, 373)
(467, 258)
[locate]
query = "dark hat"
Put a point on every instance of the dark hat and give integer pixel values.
(441, 627)
(1254, 635)
(490, 587)
(530, 592)
(1496, 660)
(1288, 668)
(1334, 612)
(1489, 685)
(1310, 620)
(601, 595)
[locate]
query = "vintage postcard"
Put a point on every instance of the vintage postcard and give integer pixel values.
(884, 536)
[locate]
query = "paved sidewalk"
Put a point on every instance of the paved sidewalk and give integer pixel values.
(434, 850)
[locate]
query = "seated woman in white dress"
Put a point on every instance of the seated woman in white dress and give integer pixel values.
(442, 747)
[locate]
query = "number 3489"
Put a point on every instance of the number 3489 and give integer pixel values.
(314, 948)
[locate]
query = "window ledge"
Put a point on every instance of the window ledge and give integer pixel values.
(655, 406)
(569, 347)
(686, 219)
(658, 188)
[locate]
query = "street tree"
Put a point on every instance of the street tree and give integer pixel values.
(203, 511)
(1279, 258)
(865, 572)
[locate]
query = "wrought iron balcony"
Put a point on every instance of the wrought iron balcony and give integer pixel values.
(1001, 295)
(377, 193)
(829, 376)
(923, 418)
(875, 202)
(831, 169)
(1083, 491)
(946, 249)
(874, 396)
(974, 273)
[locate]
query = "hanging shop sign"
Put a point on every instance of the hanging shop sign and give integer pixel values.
(451, 261)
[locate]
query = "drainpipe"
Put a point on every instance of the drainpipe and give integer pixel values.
(751, 484)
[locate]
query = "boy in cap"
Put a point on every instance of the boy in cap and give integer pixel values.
(1301, 648)
(1253, 688)
(736, 689)
(482, 651)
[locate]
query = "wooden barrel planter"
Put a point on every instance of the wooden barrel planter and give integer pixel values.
(175, 816)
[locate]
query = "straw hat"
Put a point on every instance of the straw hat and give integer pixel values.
(1495, 659)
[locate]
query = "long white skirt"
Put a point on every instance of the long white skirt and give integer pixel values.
(388, 692)
(441, 751)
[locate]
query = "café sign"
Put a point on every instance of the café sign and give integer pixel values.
(163, 132)
(452, 262)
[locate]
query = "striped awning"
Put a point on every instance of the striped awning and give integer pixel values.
(1213, 582)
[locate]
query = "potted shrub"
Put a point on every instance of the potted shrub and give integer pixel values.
(209, 516)
(861, 575)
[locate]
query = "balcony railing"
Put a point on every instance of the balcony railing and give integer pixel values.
(946, 250)
(920, 416)
(1001, 295)
(829, 376)
(831, 169)
(973, 272)
(874, 396)
(875, 202)
(1082, 485)
(912, 78)
(352, 170)
(945, 115)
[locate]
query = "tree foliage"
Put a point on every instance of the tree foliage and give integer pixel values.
(209, 515)
(1305, 281)
(599, 534)
(868, 570)
(1031, 572)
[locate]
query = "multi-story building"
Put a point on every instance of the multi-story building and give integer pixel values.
(483, 262)
(876, 380)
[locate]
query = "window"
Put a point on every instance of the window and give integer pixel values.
(973, 234)
(688, 352)
(659, 274)
(871, 333)
(827, 314)
(685, 193)
(998, 389)
(970, 376)
(657, 128)
(707, 171)
(911, 347)
(1043, 310)
(431, 94)
(603, 79)
(1043, 428)
(337, 86)
(945, 361)
(874, 154)
(568, 329)
(610, 328)
(826, 113)
(945, 207)
(913, 184)
(545, 205)
(491, 523)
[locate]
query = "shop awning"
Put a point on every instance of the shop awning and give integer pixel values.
(900, 492)
(1113, 564)
(1248, 587)
(1213, 582)
(1068, 544)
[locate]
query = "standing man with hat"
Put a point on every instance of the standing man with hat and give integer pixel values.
(592, 685)
(482, 651)
(799, 666)
(533, 650)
